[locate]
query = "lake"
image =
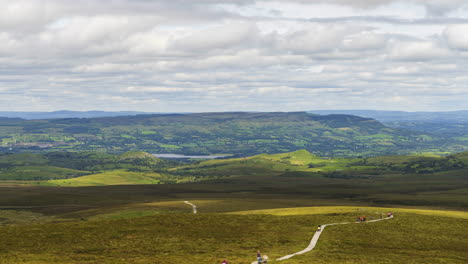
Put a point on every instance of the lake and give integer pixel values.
(178, 156)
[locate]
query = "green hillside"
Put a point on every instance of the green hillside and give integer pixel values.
(416, 180)
(411, 237)
(241, 134)
(409, 180)
(116, 177)
(304, 161)
(461, 156)
(84, 168)
(39, 173)
(300, 160)
(130, 209)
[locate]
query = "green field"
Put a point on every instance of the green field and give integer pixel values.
(116, 177)
(172, 234)
(417, 180)
(129, 208)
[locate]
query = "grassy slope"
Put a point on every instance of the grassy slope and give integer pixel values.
(65, 168)
(43, 172)
(289, 174)
(269, 164)
(117, 177)
(116, 232)
(352, 209)
(373, 180)
(411, 237)
(303, 160)
(463, 156)
(22, 158)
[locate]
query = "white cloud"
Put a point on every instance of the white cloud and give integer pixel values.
(104, 68)
(417, 50)
(22, 14)
(228, 36)
(457, 36)
(315, 38)
(212, 55)
(365, 40)
(405, 70)
(8, 44)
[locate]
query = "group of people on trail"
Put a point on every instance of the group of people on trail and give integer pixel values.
(364, 218)
(261, 259)
(264, 259)
(361, 219)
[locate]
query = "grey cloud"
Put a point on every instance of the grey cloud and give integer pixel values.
(354, 3)
(389, 20)
(434, 7)
(200, 56)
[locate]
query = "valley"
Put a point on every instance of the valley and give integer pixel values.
(134, 207)
(184, 132)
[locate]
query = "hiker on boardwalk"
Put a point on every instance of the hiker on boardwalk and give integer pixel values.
(319, 228)
(225, 262)
(265, 259)
(259, 257)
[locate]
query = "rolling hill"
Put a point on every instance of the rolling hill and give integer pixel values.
(394, 116)
(452, 125)
(123, 215)
(67, 114)
(240, 134)
(170, 237)
(417, 180)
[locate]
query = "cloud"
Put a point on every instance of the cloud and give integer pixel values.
(227, 36)
(314, 38)
(8, 44)
(457, 36)
(365, 40)
(433, 6)
(417, 50)
(212, 55)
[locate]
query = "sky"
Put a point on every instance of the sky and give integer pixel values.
(233, 55)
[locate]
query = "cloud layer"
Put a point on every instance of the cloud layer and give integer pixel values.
(208, 55)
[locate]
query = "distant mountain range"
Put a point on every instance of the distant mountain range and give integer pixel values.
(67, 114)
(240, 134)
(392, 116)
(382, 116)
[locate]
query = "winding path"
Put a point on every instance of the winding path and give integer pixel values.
(315, 238)
(193, 206)
(317, 234)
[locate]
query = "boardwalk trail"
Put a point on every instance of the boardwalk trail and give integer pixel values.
(193, 206)
(317, 234)
(315, 238)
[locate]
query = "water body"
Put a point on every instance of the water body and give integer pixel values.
(178, 156)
